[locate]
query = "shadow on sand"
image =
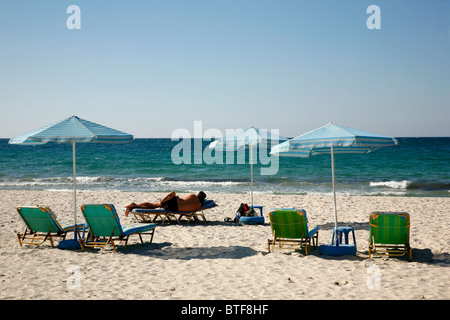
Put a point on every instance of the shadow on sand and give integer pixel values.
(166, 251)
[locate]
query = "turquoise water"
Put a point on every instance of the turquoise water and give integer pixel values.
(416, 167)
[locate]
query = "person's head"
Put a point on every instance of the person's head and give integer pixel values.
(202, 196)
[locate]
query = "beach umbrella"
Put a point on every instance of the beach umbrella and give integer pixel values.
(332, 139)
(246, 139)
(72, 130)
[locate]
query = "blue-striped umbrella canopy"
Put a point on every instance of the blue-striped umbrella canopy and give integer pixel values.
(72, 130)
(244, 138)
(342, 139)
(247, 138)
(331, 139)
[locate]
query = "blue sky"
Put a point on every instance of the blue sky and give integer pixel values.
(151, 67)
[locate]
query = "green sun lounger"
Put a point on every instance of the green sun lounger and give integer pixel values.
(389, 234)
(105, 227)
(41, 225)
(290, 228)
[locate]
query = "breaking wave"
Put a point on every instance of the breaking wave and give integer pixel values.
(392, 184)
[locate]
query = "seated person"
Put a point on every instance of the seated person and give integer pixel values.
(172, 202)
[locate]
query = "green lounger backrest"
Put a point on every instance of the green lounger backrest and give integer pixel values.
(39, 219)
(102, 219)
(288, 223)
(389, 227)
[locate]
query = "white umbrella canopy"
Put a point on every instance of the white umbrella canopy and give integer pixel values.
(332, 139)
(72, 130)
(247, 138)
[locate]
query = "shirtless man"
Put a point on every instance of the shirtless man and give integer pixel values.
(172, 202)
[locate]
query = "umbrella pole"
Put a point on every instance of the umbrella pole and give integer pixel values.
(334, 189)
(251, 172)
(74, 160)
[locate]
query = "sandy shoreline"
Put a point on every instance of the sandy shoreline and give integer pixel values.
(220, 260)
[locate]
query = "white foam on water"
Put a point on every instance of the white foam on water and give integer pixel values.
(391, 184)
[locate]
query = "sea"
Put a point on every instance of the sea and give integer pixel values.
(415, 167)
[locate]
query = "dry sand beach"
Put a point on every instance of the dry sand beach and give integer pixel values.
(222, 260)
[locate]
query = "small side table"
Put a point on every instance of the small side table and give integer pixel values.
(253, 220)
(337, 248)
(260, 208)
(337, 236)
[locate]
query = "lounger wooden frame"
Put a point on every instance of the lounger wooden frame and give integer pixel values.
(163, 216)
(32, 237)
(92, 241)
(95, 241)
(300, 240)
(292, 243)
(154, 216)
(398, 249)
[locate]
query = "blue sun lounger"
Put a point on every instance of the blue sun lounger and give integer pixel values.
(153, 215)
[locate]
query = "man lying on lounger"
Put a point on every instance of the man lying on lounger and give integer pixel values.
(172, 202)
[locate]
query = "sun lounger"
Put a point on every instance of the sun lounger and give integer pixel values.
(105, 227)
(389, 234)
(41, 225)
(153, 215)
(290, 227)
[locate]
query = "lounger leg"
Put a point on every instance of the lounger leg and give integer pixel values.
(153, 232)
(79, 238)
(165, 218)
(51, 239)
(32, 238)
(21, 237)
(175, 217)
(192, 216)
(372, 247)
(20, 241)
